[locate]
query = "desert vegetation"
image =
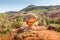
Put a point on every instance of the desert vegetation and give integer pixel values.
(31, 23)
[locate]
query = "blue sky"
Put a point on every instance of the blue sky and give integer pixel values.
(16, 5)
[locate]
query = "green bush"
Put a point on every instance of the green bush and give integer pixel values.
(57, 28)
(18, 22)
(4, 31)
(55, 21)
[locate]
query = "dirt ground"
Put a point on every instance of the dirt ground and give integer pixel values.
(41, 33)
(38, 35)
(48, 35)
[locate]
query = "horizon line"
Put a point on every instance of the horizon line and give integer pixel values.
(27, 6)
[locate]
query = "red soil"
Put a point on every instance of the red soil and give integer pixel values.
(39, 35)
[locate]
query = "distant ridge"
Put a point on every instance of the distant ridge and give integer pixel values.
(54, 10)
(32, 7)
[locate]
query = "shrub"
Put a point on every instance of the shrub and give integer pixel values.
(4, 31)
(18, 22)
(57, 28)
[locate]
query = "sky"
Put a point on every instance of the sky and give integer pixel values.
(16, 5)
